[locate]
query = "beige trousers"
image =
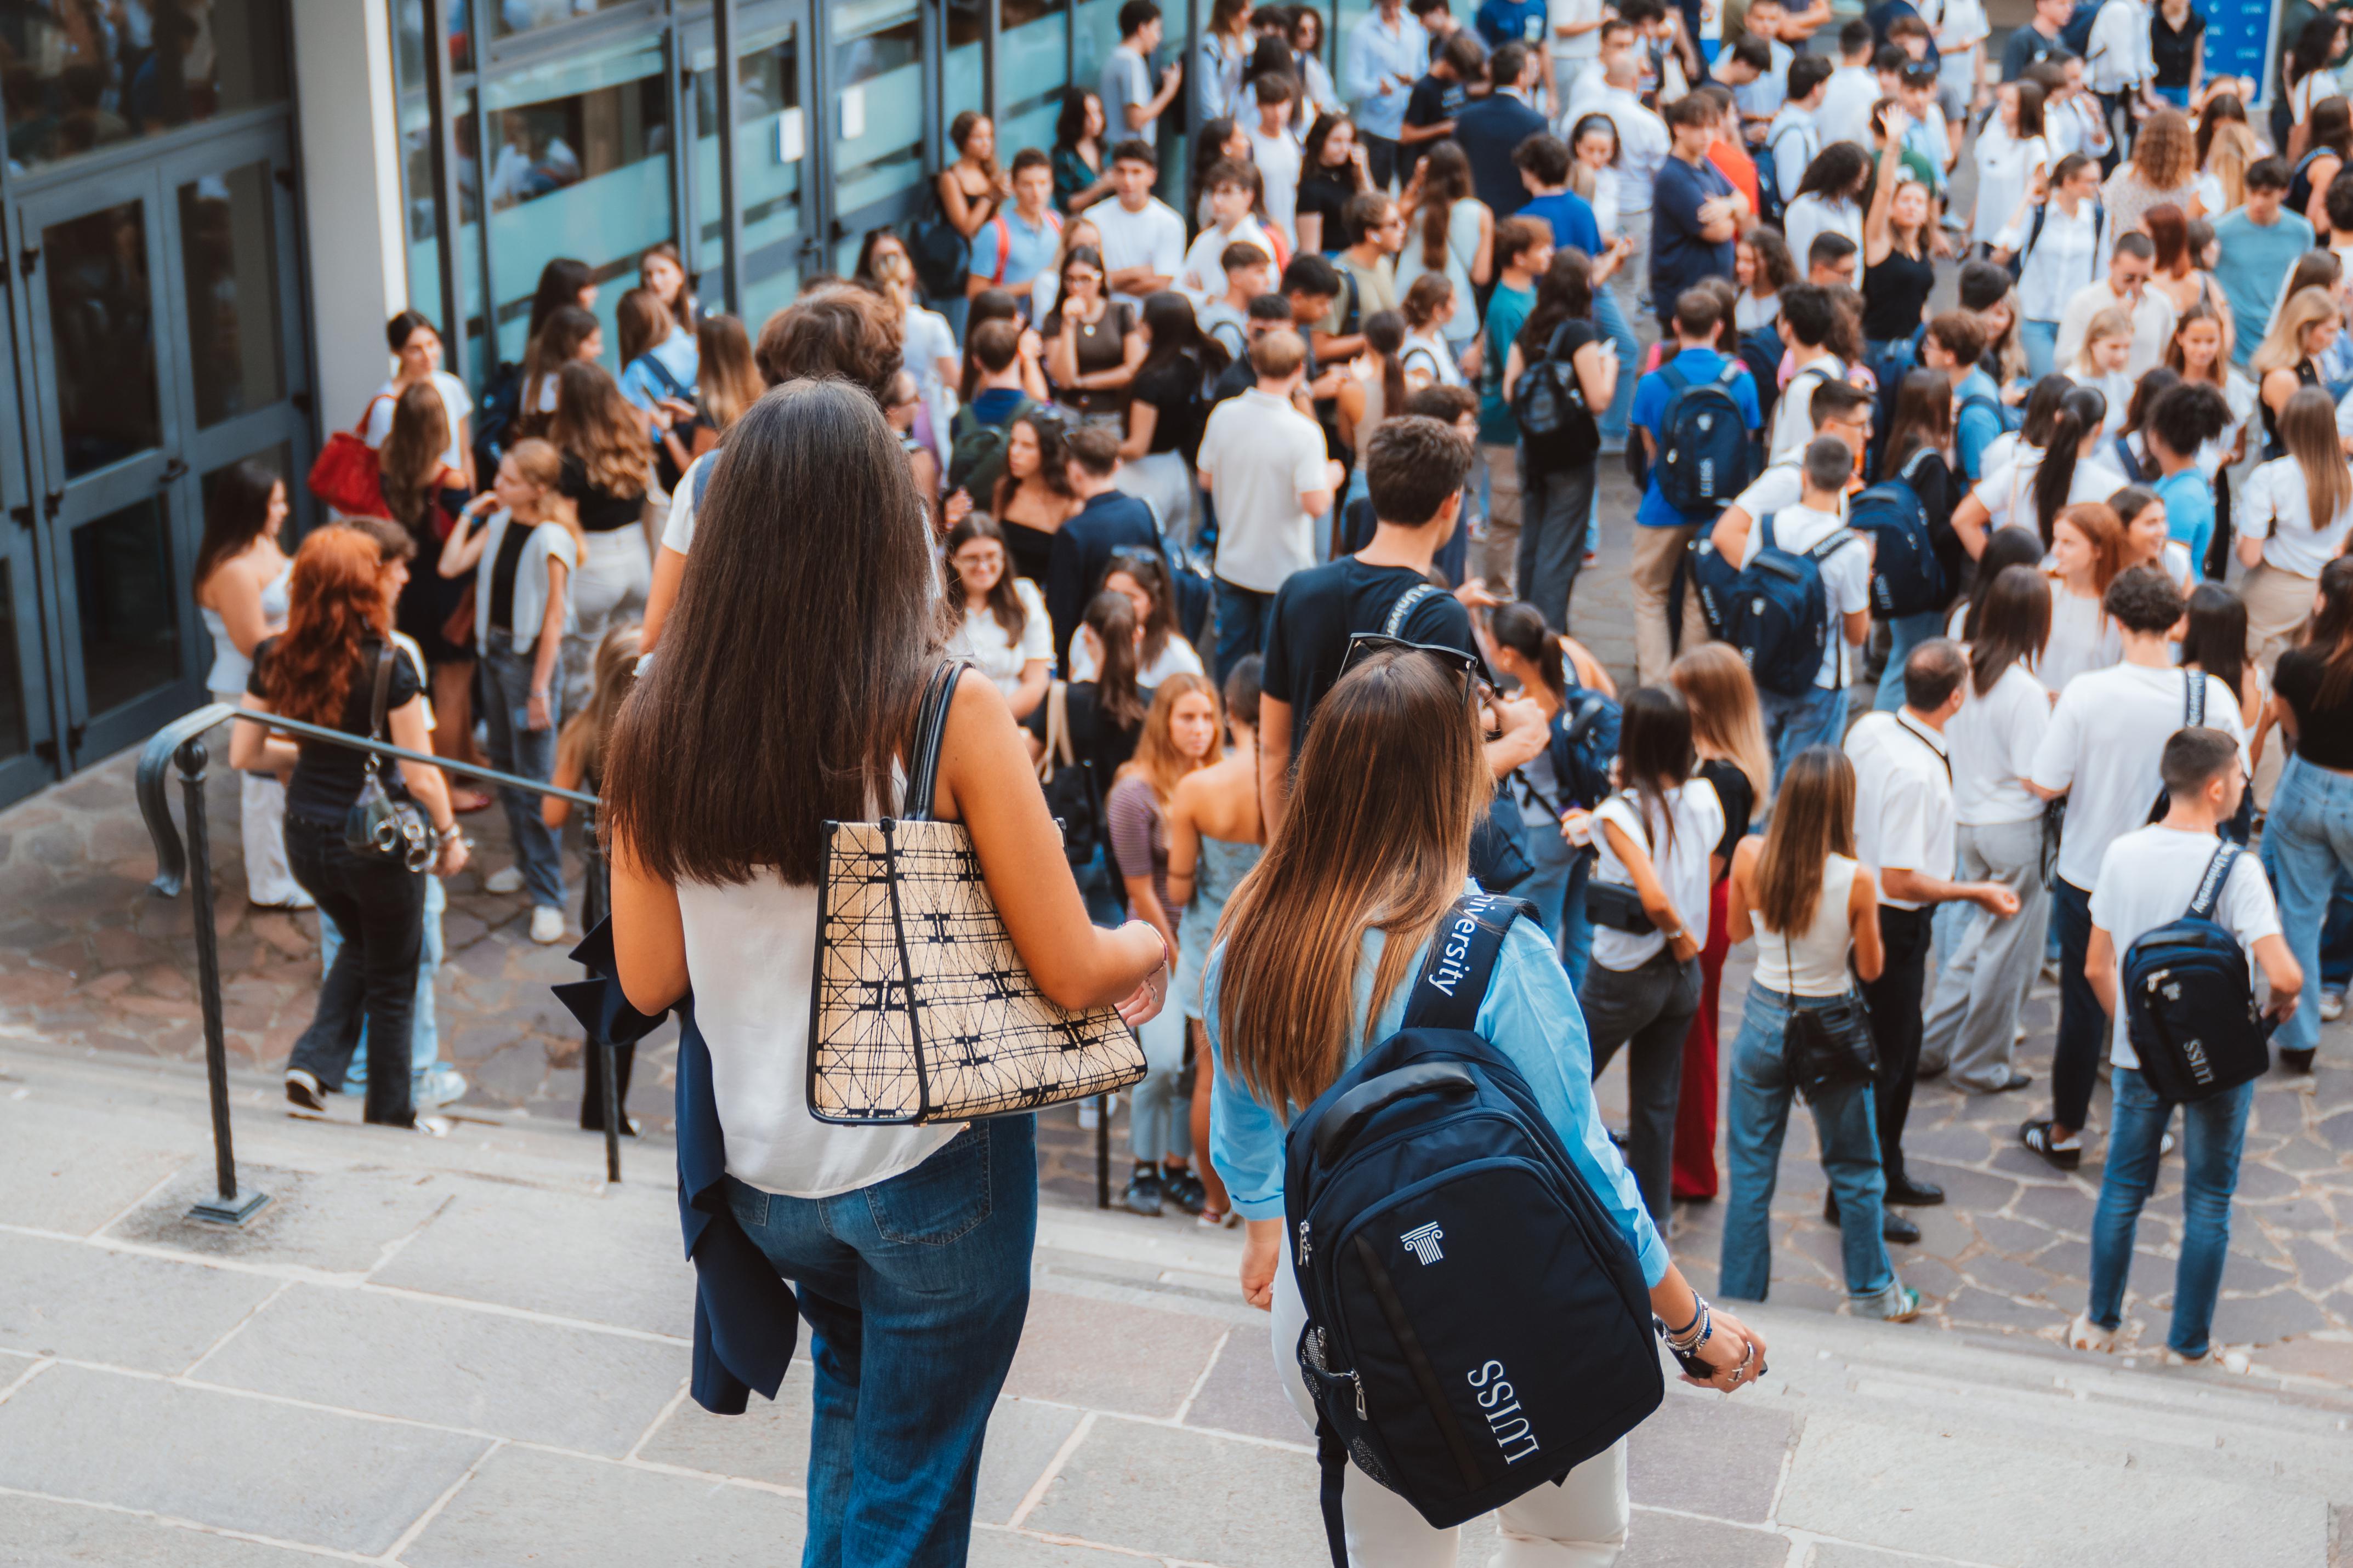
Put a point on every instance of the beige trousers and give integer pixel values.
(1656, 552)
(1500, 551)
(2277, 603)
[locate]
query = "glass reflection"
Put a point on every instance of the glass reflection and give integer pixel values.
(102, 336)
(228, 257)
(79, 75)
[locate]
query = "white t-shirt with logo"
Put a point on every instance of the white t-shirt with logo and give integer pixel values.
(2148, 878)
(2106, 737)
(1681, 868)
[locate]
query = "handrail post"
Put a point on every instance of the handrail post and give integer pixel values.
(231, 1205)
(608, 1055)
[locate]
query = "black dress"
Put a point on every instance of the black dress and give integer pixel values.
(428, 599)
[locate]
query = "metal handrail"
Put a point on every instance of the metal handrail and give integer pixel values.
(180, 743)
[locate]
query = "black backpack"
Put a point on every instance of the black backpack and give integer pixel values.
(495, 417)
(1705, 456)
(1557, 427)
(1907, 571)
(1476, 1325)
(976, 451)
(2190, 1002)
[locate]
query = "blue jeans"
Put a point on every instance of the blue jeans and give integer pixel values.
(1243, 616)
(2083, 1022)
(1612, 320)
(515, 748)
(2040, 341)
(1756, 1115)
(1905, 633)
(2213, 1130)
(1816, 718)
(914, 1289)
(424, 1030)
(2307, 847)
(2337, 937)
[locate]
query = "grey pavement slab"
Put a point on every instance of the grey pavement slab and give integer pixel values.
(524, 1505)
(1708, 1453)
(1673, 1541)
(1185, 1494)
(311, 1475)
(337, 1222)
(1012, 1549)
(403, 1355)
(1243, 1392)
(1078, 1350)
(151, 1314)
(1984, 1500)
(613, 1258)
(69, 1178)
(35, 1533)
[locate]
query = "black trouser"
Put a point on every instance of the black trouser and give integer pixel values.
(2116, 112)
(379, 907)
(1894, 1000)
(1380, 158)
(596, 903)
(2083, 1022)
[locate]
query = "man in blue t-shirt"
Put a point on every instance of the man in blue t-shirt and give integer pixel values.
(1663, 533)
(1694, 211)
(1953, 343)
(2259, 241)
(1544, 163)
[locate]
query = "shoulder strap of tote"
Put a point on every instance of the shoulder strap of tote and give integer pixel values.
(378, 700)
(931, 726)
(1462, 953)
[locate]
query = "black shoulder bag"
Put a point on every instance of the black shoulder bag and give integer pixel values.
(1827, 1047)
(380, 827)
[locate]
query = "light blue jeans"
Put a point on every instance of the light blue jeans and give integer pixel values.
(2308, 844)
(1756, 1116)
(1160, 1119)
(1612, 320)
(516, 748)
(1905, 633)
(1816, 718)
(2040, 341)
(424, 1030)
(2213, 1129)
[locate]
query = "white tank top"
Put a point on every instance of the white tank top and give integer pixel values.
(1818, 955)
(231, 670)
(750, 953)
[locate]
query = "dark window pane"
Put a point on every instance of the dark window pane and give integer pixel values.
(228, 252)
(15, 737)
(129, 614)
(81, 75)
(508, 17)
(771, 146)
(878, 58)
(101, 326)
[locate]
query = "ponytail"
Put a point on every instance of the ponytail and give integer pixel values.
(1118, 697)
(2084, 411)
(1520, 628)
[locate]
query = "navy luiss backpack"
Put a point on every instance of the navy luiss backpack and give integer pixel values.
(2190, 1002)
(1907, 576)
(1476, 1325)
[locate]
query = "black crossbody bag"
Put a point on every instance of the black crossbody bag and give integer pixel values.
(1828, 1047)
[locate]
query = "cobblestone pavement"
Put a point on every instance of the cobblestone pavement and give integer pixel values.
(91, 962)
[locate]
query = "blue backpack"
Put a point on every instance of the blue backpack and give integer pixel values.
(1775, 610)
(1705, 457)
(1476, 1325)
(2190, 1002)
(2075, 33)
(1583, 744)
(1907, 575)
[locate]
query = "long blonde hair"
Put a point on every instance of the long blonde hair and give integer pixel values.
(1726, 722)
(615, 674)
(2112, 322)
(2234, 148)
(2307, 427)
(1391, 780)
(1157, 761)
(1813, 820)
(2282, 346)
(727, 377)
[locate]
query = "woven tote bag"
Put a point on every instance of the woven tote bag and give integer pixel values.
(922, 1010)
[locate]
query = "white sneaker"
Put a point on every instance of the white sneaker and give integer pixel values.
(438, 1086)
(505, 879)
(2332, 1006)
(546, 924)
(2084, 1334)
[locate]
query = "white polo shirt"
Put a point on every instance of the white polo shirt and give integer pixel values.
(2106, 737)
(1903, 799)
(1260, 454)
(2148, 878)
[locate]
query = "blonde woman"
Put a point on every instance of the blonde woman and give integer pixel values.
(2162, 167)
(2226, 145)
(2100, 363)
(529, 531)
(2297, 515)
(2305, 329)
(1181, 737)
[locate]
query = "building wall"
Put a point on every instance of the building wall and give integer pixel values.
(351, 193)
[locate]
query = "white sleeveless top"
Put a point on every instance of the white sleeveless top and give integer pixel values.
(231, 670)
(1819, 954)
(750, 951)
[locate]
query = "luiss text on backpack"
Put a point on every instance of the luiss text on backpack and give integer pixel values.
(1476, 1325)
(2190, 1002)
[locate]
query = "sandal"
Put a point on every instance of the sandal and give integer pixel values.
(467, 800)
(2036, 1136)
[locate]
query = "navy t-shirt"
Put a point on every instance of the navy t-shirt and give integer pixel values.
(1679, 257)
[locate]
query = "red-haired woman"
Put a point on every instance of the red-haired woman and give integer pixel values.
(321, 671)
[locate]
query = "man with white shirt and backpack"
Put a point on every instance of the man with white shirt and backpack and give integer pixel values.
(2102, 752)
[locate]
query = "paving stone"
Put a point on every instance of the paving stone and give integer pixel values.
(1985, 1500)
(1013, 1549)
(2016, 1238)
(615, 1259)
(222, 1459)
(72, 1179)
(1979, 1191)
(1707, 1453)
(1671, 1541)
(150, 1314)
(1971, 1305)
(37, 1533)
(1837, 1554)
(338, 1222)
(1243, 1393)
(1076, 1350)
(1185, 1494)
(528, 1506)
(2260, 1319)
(488, 1371)
(1996, 1272)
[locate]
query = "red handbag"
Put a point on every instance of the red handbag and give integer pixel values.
(347, 475)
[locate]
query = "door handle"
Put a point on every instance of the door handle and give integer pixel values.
(174, 472)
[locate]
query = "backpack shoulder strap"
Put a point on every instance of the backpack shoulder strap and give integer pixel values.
(676, 388)
(2193, 700)
(1004, 247)
(1675, 379)
(1734, 369)
(702, 486)
(1764, 534)
(2209, 886)
(1400, 612)
(1825, 548)
(1912, 463)
(1462, 952)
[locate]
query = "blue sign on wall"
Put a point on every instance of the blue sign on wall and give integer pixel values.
(2238, 38)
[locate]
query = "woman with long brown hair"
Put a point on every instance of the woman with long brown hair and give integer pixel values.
(972, 190)
(1557, 499)
(999, 618)
(607, 472)
(415, 346)
(323, 669)
(1180, 738)
(2087, 546)
(1972, 1024)
(1316, 959)
(1374, 390)
(2226, 146)
(1814, 911)
(1032, 498)
(241, 577)
(1453, 233)
(1729, 737)
(911, 1242)
(2185, 284)
(1141, 574)
(571, 333)
(2296, 516)
(424, 495)
(1919, 451)
(2330, 144)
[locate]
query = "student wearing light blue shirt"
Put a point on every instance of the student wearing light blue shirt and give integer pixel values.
(1388, 52)
(1377, 829)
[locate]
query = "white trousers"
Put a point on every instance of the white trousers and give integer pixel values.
(1580, 1523)
(261, 819)
(616, 575)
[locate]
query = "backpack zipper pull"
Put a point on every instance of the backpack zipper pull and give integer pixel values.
(1358, 1379)
(1305, 1248)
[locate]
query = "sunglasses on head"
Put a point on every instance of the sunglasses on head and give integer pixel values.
(1464, 667)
